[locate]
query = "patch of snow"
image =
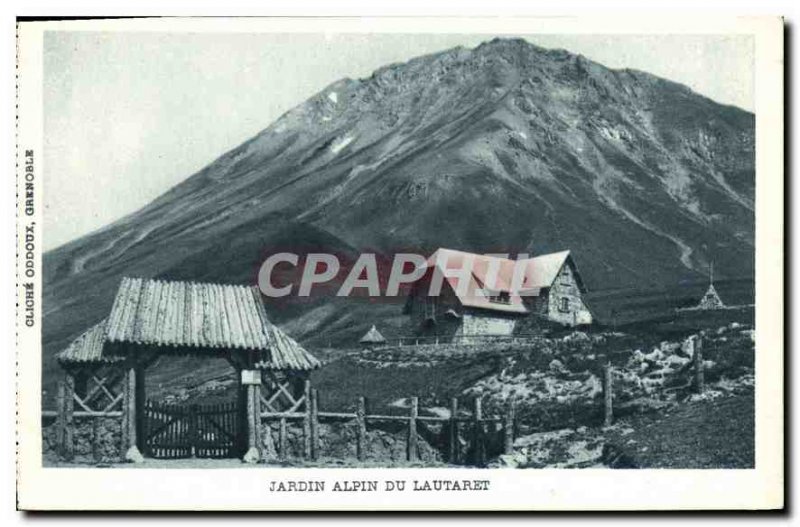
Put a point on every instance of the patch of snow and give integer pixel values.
(338, 145)
(334, 97)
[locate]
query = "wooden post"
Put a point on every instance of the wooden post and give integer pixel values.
(69, 425)
(361, 429)
(191, 435)
(508, 429)
(260, 444)
(453, 432)
(608, 395)
(699, 374)
(66, 428)
(307, 420)
(61, 421)
(141, 396)
(131, 449)
(96, 439)
(314, 424)
(282, 439)
(252, 455)
(412, 452)
(126, 396)
(477, 433)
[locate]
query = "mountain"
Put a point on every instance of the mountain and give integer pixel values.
(507, 147)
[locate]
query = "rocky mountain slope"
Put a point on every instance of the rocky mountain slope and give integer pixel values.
(507, 147)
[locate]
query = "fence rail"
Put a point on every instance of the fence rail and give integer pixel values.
(467, 340)
(451, 424)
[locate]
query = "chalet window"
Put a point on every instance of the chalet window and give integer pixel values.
(564, 305)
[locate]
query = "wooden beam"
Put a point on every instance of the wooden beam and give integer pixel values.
(69, 427)
(282, 439)
(477, 433)
(412, 450)
(608, 395)
(699, 373)
(307, 421)
(361, 428)
(60, 416)
(132, 408)
(508, 429)
(252, 455)
(453, 431)
(314, 424)
(141, 397)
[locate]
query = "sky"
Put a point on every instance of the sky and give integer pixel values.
(128, 115)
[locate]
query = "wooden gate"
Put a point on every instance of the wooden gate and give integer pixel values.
(173, 431)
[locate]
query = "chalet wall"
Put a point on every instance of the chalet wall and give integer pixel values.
(485, 324)
(565, 287)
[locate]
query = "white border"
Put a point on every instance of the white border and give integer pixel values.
(239, 489)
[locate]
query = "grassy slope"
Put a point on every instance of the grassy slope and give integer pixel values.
(717, 433)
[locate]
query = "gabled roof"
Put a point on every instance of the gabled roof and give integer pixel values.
(542, 271)
(373, 336)
(188, 314)
(88, 348)
(481, 284)
(193, 317)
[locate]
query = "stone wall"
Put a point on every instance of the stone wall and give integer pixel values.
(565, 287)
(108, 445)
(485, 324)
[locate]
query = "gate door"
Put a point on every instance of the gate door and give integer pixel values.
(173, 431)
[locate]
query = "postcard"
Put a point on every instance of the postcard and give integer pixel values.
(400, 264)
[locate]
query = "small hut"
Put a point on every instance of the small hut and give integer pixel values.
(711, 299)
(105, 367)
(372, 337)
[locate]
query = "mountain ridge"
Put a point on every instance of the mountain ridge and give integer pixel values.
(506, 147)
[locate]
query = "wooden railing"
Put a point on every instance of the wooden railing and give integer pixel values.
(466, 340)
(359, 418)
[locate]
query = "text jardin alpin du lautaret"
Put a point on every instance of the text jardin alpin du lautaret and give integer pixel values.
(400, 485)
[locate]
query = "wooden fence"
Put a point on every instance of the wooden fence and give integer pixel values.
(436, 340)
(474, 423)
(697, 383)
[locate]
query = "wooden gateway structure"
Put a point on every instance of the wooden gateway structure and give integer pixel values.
(105, 370)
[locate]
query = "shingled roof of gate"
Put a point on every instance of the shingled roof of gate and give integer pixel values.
(88, 348)
(189, 317)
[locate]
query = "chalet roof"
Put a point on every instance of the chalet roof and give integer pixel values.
(373, 336)
(88, 348)
(542, 270)
(190, 316)
(480, 279)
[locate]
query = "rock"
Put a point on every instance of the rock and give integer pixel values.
(577, 336)
(252, 456)
(655, 355)
(133, 455)
(511, 460)
(614, 456)
(556, 365)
